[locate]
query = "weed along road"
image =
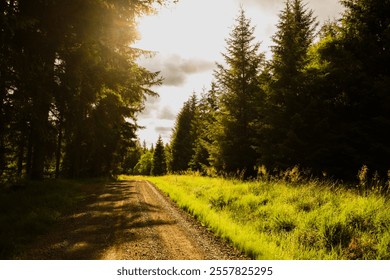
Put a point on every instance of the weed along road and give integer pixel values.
(129, 220)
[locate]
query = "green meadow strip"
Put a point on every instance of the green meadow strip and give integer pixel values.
(279, 220)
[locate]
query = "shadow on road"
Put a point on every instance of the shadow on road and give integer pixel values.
(109, 215)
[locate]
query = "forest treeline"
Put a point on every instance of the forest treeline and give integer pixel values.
(70, 86)
(70, 91)
(321, 102)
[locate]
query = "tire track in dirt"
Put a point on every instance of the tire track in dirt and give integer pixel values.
(173, 234)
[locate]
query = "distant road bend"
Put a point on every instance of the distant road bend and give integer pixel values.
(129, 220)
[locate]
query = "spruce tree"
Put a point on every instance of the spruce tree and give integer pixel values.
(70, 86)
(282, 138)
(184, 136)
(239, 96)
(355, 55)
(159, 166)
(204, 124)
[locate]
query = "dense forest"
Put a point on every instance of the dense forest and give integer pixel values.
(70, 86)
(70, 90)
(320, 103)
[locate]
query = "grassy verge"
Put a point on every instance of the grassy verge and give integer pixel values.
(279, 220)
(32, 208)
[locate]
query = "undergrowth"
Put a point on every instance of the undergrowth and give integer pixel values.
(276, 219)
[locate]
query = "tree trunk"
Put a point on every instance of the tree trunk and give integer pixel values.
(59, 149)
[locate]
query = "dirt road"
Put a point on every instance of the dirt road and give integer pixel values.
(129, 220)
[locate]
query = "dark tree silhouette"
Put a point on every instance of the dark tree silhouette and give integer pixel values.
(238, 98)
(159, 165)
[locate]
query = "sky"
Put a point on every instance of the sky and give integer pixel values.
(188, 39)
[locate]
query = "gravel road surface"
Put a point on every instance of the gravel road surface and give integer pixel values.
(129, 220)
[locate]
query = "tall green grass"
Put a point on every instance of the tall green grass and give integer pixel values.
(32, 208)
(280, 220)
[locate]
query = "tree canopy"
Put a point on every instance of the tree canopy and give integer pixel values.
(183, 137)
(159, 164)
(70, 86)
(321, 101)
(238, 97)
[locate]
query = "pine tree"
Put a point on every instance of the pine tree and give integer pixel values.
(184, 136)
(70, 86)
(282, 140)
(239, 96)
(355, 55)
(295, 35)
(204, 124)
(159, 166)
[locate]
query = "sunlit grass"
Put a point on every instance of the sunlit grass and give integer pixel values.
(280, 220)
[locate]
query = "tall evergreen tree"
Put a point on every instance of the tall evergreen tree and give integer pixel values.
(70, 86)
(204, 124)
(159, 165)
(355, 55)
(8, 11)
(238, 98)
(282, 138)
(184, 136)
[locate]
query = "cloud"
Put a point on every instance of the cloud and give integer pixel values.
(152, 104)
(164, 131)
(175, 69)
(322, 9)
(265, 4)
(166, 113)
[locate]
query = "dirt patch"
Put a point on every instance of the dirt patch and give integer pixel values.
(129, 220)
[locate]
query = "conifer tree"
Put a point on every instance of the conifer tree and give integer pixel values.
(238, 99)
(355, 54)
(184, 136)
(159, 166)
(282, 138)
(205, 126)
(70, 86)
